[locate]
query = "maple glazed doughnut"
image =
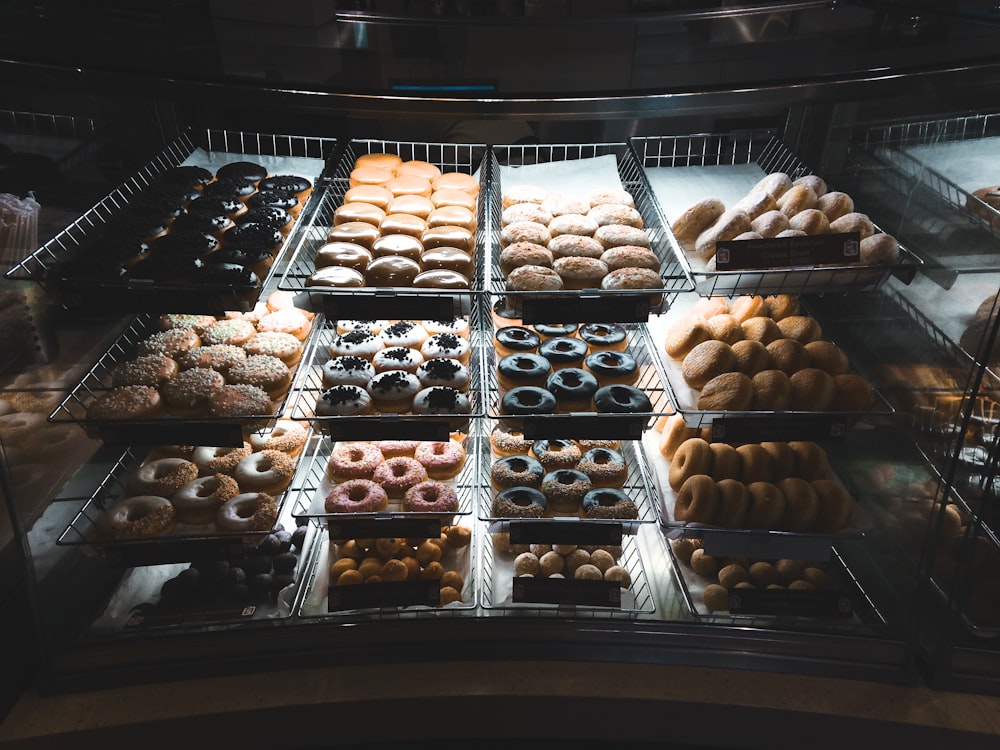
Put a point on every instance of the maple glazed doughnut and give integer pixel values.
(250, 511)
(693, 456)
(697, 500)
(138, 517)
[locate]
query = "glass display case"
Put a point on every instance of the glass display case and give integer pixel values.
(810, 492)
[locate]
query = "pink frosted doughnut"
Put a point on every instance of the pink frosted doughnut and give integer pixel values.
(353, 461)
(396, 475)
(431, 497)
(356, 496)
(441, 460)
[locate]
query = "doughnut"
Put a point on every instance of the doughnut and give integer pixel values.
(391, 448)
(343, 401)
(767, 506)
(250, 511)
(621, 399)
(730, 391)
(527, 212)
(232, 331)
(614, 213)
(751, 357)
(508, 442)
(575, 245)
(788, 355)
(268, 373)
(528, 400)
(815, 182)
(443, 371)
(801, 505)
(172, 342)
(149, 370)
(852, 393)
(565, 488)
(336, 277)
(452, 216)
(755, 203)
(451, 197)
(605, 467)
(796, 198)
(697, 500)
(442, 460)
(572, 224)
(761, 329)
(286, 436)
(534, 279)
(693, 456)
(705, 361)
(353, 461)
(675, 431)
(685, 334)
(769, 224)
(618, 196)
(526, 368)
(130, 402)
(347, 370)
(516, 471)
(782, 459)
(604, 336)
(404, 333)
(834, 204)
(356, 496)
(393, 391)
(756, 462)
(397, 358)
(726, 462)
(734, 504)
(827, 356)
(612, 367)
(801, 328)
(578, 272)
(374, 195)
(430, 496)
(440, 400)
(162, 477)
(396, 475)
(138, 517)
(354, 232)
(618, 258)
(836, 506)
(449, 345)
(853, 222)
(573, 389)
(198, 501)
(618, 235)
(556, 454)
(772, 391)
(239, 401)
(812, 390)
(781, 306)
(519, 502)
(524, 254)
(516, 340)
(608, 502)
(215, 356)
(219, 460)
(267, 471)
(563, 351)
(188, 393)
(811, 461)
(728, 226)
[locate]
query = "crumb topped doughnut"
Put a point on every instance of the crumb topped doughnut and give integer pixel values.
(443, 371)
(343, 401)
(127, 402)
(169, 343)
(162, 477)
(238, 401)
(287, 436)
(219, 460)
(138, 517)
(199, 500)
(148, 370)
(506, 442)
(250, 511)
(357, 343)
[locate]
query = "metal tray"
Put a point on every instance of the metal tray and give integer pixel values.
(169, 430)
(592, 305)
(590, 425)
(316, 485)
(397, 302)
(759, 152)
(67, 139)
(563, 598)
(308, 386)
(142, 295)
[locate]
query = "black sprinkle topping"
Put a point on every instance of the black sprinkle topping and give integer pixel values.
(442, 368)
(342, 394)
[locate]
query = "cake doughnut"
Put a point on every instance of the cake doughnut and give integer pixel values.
(232, 331)
(219, 460)
(343, 401)
(751, 357)
(138, 517)
(516, 471)
(353, 461)
(730, 391)
(788, 355)
(240, 401)
(356, 496)
(519, 502)
(734, 504)
(853, 393)
(767, 506)
(199, 500)
(347, 370)
(612, 367)
(286, 436)
(621, 399)
(782, 459)
(705, 361)
(685, 334)
(215, 356)
(604, 336)
(528, 400)
(811, 461)
(801, 505)
(836, 506)
(726, 462)
(697, 500)
(162, 477)
(756, 462)
(507, 442)
(188, 393)
(675, 432)
(693, 456)
(130, 402)
(781, 306)
(268, 373)
(565, 488)
(267, 471)
(250, 511)
(556, 454)
(398, 474)
(441, 460)
(431, 497)
(604, 466)
(608, 502)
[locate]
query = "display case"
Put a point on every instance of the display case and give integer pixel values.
(877, 560)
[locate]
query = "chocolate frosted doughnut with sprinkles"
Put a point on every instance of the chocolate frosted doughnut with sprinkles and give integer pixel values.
(150, 370)
(169, 343)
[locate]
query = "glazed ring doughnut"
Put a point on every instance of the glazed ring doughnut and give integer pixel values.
(267, 471)
(138, 517)
(526, 400)
(353, 461)
(198, 501)
(801, 505)
(219, 460)
(162, 477)
(251, 511)
(431, 497)
(767, 506)
(286, 436)
(836, 507)
(397, 475)
(608, 502)
(697, 500)
(734, 504)
(519, 502)
(693, 456)
(356, 496)
(621, 399)
(516, 471)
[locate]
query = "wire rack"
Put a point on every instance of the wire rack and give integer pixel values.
(398, 302)
(590, 424)
(589, 306)
(83, 130)
(133, 296)
(499, 583)
(766, 151)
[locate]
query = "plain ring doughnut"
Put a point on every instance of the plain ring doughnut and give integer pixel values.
(697, 500)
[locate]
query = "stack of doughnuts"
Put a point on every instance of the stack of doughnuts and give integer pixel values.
(769, 486)
(727, 573)
(232, 367)
(762, 354)
(579, 562)
(402, 224)
(553, 241)
(413, 474)
(232, 490)
(391, 559)
(397, 367)
(778, 206)
(190, 225)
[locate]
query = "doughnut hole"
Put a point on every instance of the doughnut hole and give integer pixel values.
(602, 559)
(351, 549)
(432, 572)
(731, 575)
(619, 574)
(452, 579)
(394, 570)
(449, 595)
(816, 576)
(370, 566)
(428, 552)
(683, 549)
(575, 559)
(704, 564)
(526, 563)
(551, 563)
(789, 570)
(350, 578)
(763, 574)
(412, 568)
(539, 549)
(801, 585)
(588, 572)
(342, 565)
(388, 546)
(716, 597)
(459, 536)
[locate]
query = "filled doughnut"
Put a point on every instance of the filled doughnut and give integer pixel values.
(705, 361)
